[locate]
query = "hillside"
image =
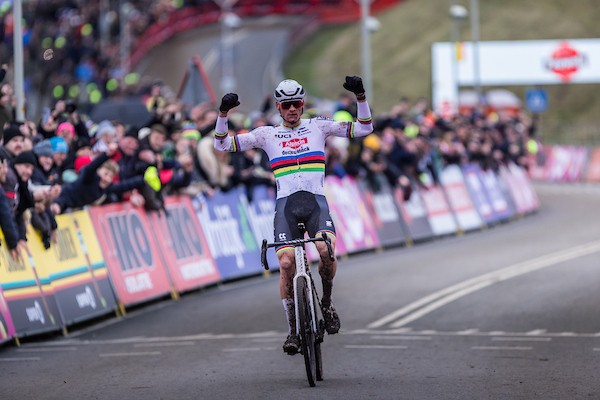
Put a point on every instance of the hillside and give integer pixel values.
(401, 55)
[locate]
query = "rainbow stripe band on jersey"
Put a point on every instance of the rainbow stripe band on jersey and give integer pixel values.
(220, 135)
(365, 120)
(308, 162)
(350, 130)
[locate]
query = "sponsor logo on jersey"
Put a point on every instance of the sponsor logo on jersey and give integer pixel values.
(295, 143)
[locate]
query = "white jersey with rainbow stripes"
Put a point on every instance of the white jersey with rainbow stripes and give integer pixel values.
(297, 155)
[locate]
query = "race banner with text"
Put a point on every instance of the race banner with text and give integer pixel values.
(76, 268)
(500, 204)
(261, 211)
(134, 263)
(441, 217)
(382, 208)
(458, 196)
(520, 188)
(28, 294)
(181, 243)
(414, 215)
(7, 328)
(355, 230)
(593, 169)
(480, 197)
(226, 226)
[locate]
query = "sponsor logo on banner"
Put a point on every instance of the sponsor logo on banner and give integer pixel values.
(86, 299)
(566, 61)
(180, 241)
(226, 226)
(35, 313)
(135, 265)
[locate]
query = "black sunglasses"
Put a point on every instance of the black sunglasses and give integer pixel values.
(296, 103)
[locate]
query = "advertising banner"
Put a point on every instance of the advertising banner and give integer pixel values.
(414, 215)
(593, 170)
(226, 226)
(566, 163)
(354, 226)
(28, 294)
(261, 211)
(466, 215)
(481, 200)
(134, 263)
(522, 185)
(384, 213)
(182, 245)
(440, 215)
(500, 205)
(76, 268)
(7, 329)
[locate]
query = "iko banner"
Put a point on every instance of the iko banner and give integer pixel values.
(414, 215)
(261, 211)
(466, 215)
(136, 269)
(440, 215)
(181, 242)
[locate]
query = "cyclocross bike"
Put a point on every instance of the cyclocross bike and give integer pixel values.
(310, 326)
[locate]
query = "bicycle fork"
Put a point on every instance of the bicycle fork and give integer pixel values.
(302, 272)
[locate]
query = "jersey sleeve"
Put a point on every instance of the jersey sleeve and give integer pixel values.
(235, 143)
(362, 127)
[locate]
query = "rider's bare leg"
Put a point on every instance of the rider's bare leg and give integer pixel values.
(327, 269)
(287, 269)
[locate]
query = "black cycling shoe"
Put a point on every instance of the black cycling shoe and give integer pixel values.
(292, 345)
(332, 321)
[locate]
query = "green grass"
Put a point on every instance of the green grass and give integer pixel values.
(402, 59)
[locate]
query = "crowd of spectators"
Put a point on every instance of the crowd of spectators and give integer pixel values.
(66, 161)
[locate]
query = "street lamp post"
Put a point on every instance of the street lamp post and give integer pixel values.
(18, 60)
(458, 14)
(229, 21)
(368, 25)
(475, 47)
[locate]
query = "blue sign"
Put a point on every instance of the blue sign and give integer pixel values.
(536, 100)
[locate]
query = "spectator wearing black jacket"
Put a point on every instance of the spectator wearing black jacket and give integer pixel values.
(7, 223)
(95, 183)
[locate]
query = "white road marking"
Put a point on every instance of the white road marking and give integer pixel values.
(521, 339)
(379, 337)
(164, 344)
(248, 349)
(374, 346)
(17, 359)
(596, 348)
(519, 348)
(45, 349)
(132, 354)
(428, 304)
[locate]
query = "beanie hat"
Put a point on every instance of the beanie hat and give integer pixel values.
(25, 157)
(132, 132)
(103, 128)
(10, 133)
(43, 149)
(66, 126)
(59, 145)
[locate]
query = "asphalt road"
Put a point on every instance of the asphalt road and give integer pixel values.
(510, 312)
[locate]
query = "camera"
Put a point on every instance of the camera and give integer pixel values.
(71, 107)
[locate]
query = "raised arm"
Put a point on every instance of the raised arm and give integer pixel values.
(224, 142)
(364, 124)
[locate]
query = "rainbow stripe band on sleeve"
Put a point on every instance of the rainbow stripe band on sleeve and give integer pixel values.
(220, 135)
(365, 120)
(350, 130)
(235, 144)
(284, 248)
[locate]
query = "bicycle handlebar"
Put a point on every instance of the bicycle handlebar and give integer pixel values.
(294, 242)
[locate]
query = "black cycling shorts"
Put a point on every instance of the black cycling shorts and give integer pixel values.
(302, 206)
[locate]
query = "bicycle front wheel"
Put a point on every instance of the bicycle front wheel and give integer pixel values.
(307, 336)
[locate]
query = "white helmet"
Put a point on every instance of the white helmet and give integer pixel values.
(289, 90)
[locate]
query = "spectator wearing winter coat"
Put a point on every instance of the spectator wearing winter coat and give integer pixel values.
(17, 192)
(7, 222)
(13, 143)
(95, 183)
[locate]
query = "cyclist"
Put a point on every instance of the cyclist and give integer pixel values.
(296, 153)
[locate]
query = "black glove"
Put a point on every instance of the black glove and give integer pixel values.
(229, 101)
(354, 84)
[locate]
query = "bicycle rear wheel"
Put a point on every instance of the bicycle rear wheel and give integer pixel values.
(307, 336)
